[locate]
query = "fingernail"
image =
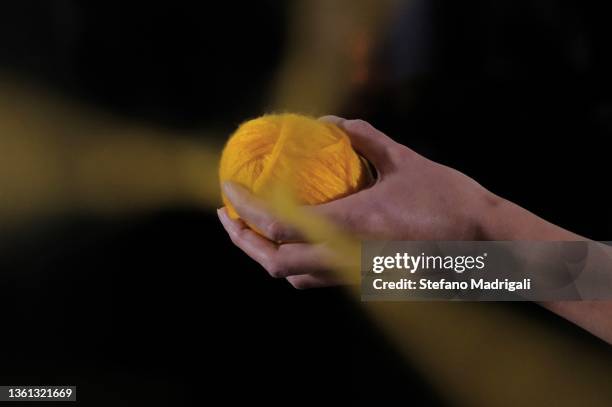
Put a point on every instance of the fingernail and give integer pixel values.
(224, 219)
(229, 189)
(222, 213)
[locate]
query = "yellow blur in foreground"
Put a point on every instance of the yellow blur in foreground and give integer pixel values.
(57, 158)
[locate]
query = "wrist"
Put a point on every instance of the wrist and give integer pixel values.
(495, 221)
(505, 220)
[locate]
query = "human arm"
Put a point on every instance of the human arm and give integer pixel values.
(413, 198)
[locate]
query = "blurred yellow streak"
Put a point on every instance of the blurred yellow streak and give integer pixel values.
(57, 157)
(347, 250)
(321, 65)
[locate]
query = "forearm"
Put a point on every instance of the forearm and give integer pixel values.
(507, 221)
(504, 220)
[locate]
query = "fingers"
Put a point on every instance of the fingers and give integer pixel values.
(255, 246)
(332, 119)
(306, 281)
(254, 212)
(343, 212)
(280, 261)
(371, 143)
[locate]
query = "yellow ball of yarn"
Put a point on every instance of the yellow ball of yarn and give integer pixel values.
(313, 157)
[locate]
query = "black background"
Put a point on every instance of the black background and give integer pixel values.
(517, 94)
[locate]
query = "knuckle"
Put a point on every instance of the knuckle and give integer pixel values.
(274, 230)
(397, 156)
(358, 126)
(331, 118)
(277, 269)
(235, 238)
(238, 236)
(400, 152)
(375, 221)
(353, 219)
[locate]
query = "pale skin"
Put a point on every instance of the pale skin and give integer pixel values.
(413, 198)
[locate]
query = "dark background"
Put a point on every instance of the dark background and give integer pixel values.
(161, 308)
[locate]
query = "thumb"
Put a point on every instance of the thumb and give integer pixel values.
(346, 213)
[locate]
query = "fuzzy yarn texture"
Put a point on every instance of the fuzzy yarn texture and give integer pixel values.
(315, 159)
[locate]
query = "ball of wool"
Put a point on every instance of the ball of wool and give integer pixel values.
(312, 157)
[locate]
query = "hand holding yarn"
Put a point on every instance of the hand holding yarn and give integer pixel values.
(412, 198)
(313, 157)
